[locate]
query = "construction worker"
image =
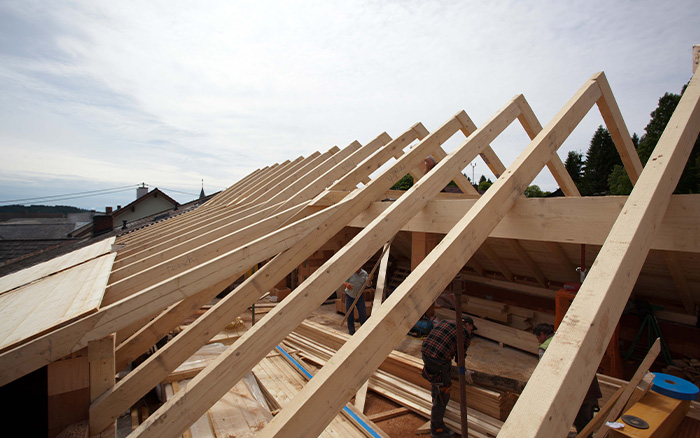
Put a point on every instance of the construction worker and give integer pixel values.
(438, 350)
(545, 334)
(353, 287)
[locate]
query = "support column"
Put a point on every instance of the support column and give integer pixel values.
(421, 245)
(102, 371)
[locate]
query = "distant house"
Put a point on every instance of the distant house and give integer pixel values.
(146, 204)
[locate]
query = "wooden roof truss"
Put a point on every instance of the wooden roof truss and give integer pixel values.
(284, 213)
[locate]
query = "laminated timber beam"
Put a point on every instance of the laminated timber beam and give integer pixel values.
(176, 415)
(551, 398)
(586, 220)
(154, 369)
(356, 360)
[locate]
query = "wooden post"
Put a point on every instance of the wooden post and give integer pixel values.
(457, 287)
(102, 372)
(421, 245)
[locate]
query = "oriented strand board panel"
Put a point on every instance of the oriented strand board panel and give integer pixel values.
(41, 306)
(74, 258)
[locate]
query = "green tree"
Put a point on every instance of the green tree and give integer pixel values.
(534, 191)
(484, 183)
(690, 178)
(659, 119)
(574, 165)
(404, 183)
(619, 182)
(601, 158)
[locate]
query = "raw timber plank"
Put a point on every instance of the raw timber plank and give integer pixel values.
(372, 342)
(53, 301)
(585, 220)
(53, 266)
(520, 339)
(560, 381)
(278, 377)
(310, 337)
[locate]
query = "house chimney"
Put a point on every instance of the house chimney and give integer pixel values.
(101, 224)
(141, 191)
(119, 207)
(108, 210)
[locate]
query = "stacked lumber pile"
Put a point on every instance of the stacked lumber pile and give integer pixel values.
(688, 369)
(503, 334)
(513, 316)
(494, 403)
(407, 394)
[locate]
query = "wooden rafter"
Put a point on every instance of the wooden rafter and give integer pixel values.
(166, 359)
(333, 385)
(244, 354)
(549, 402)
(498, 261)
(528, 261)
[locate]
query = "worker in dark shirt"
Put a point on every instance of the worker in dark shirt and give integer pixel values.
(438, 350)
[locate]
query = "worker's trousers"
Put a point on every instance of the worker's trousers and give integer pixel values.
(440, 386)
(361, 310)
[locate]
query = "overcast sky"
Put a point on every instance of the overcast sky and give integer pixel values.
(108, 94)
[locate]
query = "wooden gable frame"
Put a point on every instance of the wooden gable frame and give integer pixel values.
(245, 353)
(173, 267)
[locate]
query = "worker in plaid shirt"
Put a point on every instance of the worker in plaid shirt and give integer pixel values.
(438, 350)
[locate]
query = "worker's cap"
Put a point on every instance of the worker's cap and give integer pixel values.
(469, 320)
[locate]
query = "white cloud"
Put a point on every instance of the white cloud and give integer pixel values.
(123, 92)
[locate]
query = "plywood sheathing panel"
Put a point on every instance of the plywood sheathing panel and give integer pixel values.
(51, 267)
(53, 301)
